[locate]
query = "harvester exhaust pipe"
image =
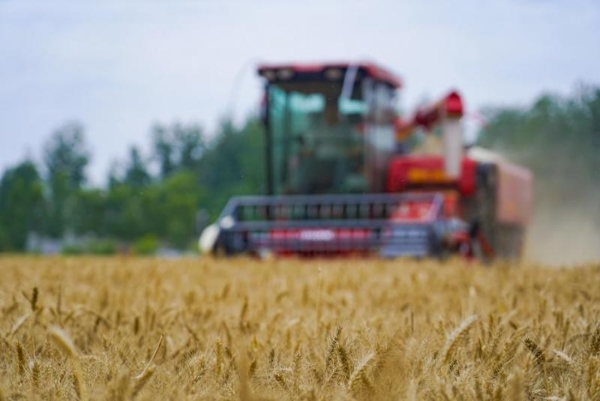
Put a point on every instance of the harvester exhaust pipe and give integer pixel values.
(452, 134)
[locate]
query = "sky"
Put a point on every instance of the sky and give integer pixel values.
(118, 67)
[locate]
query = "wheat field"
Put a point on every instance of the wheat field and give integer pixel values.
(201, 329)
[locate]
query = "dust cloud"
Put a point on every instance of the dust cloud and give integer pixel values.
(565, 234)
(565, 227)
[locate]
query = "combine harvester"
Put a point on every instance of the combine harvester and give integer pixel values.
(345, 175)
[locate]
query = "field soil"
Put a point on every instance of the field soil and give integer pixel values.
(204, 329)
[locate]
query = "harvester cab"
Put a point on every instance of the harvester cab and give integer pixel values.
(339, 177)
(329, 128)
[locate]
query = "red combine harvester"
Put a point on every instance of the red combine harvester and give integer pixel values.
(346, 175)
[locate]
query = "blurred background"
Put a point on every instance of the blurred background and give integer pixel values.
(126, 125)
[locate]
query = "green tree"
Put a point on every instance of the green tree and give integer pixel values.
(556, 137)
(189, 146)
(66, 155)
(89, 210)
(136, 173)
(21, 205)
(124, 216)
(66, 158)
(182, 196)
(162, 146)
(233, 164)
(177, 147)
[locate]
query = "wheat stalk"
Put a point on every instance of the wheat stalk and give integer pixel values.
(65, 344)
(344, 361)
(353, 351)
(454, 339)
(20, 321)
(333, 345)
(536, 351)
(219, 358)
(141, 380)
(35, 374)
(151, 360)
(566, 358)
(358, 376)
(121, 389)
(595, 342)
(20, 359)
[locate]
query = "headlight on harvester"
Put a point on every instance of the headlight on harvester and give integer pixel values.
(208, 238)
(226, 222)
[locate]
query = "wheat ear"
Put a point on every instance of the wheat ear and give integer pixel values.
(359, 375)
(65, 344)
(454, 339)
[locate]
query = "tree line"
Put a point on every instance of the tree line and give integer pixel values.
(162, 197)
(558, 138)
(149, 199)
